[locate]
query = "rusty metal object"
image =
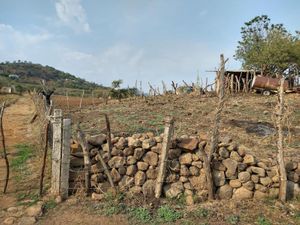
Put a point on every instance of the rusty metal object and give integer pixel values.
(268, 83)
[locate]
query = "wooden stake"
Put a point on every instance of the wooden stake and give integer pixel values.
(169, 127)
(80, 105)
(108, 133)
(4, 148)
(106, 170)
(280, 155)
(86, 158)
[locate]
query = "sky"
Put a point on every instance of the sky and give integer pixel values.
(133, 40)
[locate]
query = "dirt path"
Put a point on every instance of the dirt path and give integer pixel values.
(17, 130)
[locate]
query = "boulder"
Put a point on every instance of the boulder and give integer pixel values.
(186, 159)
(242, 193)
(151, 158)
(244, 177)
(139, 178)
(138, 153)
(255, 178)
(231, 166)
(173, 190)
(198, 182)
(249, 185)
(225, 192)
(35, 210)
(97, 140)
(131, 170)
(116, 162)
(218, 178)
(122, 170)
(149, 188)
(151, 173)
(188, 144)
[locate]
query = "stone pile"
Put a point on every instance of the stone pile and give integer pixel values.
(135, 160)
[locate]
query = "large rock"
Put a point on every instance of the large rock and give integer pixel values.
(194, 171)
(131, 160)
(231, 166)
(223, 152)
(139, 178)
(174, 165)
(244, 177)
(259, 171)
(184, 171)
(138, 153)
(149, 188)
(242, 193)
(266, 181)
(173, 190)
(115, 175)
(142, 166)
(151, 158)
(116, 162)
(148, 143)
(186, 159)
(249, 185)
(188, 144)
(235, 156)
(121, 144)
(235, 183)
(255, 178)
(260, 195)
(289, 166)
(151, 173)
(218, 178)
(131, 170)
(225, 192)
(249, 160)
(174, 153)
(128, 151)
(97, 140)
(133, 142)
(198, 182)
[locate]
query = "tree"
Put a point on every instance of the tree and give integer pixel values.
(116, 83)
(267, 47)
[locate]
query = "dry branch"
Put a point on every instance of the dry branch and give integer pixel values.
(106, 170)
(108, 133)
(4, 148)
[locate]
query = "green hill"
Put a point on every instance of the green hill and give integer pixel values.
(29, 76)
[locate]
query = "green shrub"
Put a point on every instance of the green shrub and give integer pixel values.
(167, 214)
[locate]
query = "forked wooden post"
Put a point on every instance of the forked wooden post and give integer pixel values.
(65, 159)
(56, 151)
(169, 127)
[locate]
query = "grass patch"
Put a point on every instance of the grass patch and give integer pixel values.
(261, 220)
(140, 214)
(28, 198)
(166, 214)
(233, 219)
(50, 204)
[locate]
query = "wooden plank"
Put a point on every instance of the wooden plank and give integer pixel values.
(56, 151)
(169, 127)
(65, 159)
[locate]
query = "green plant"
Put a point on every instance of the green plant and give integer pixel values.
(24, 152)
(201, 212)
(167, 214)
(261, 220)
(233, 219)
(51, 204)
(141, 214)
(32, 197)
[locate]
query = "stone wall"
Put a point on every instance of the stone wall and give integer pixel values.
(135, 160)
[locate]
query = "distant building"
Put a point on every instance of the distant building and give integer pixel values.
(13, 76)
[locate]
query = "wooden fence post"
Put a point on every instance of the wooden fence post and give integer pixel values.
(65, 159)
(56, 151)
(169, 127)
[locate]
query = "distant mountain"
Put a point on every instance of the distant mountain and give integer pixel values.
(28, 75)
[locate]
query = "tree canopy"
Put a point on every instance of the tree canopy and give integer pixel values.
(268, 47)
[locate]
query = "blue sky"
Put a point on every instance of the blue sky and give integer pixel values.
(144, 40)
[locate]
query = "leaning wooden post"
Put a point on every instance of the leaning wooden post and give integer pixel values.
(106, 170)
(86, 159)
(108, 134)
(4, 148)
(56, 152)
(280, 155)
(80, 104)
(65, 159)
(169, 127)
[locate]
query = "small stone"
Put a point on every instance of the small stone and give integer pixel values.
(249, 159)
(121, 144)
(262, 165)
(198, 164)
(138, 153)
(12, 209)
(151, 158)
(198, 182)
(242, 193)
(225, 192)
(149, 188)
(174, 153)
(188, 144)
(266, 181)
(186, 159)
(173, 190)
(9, 221)
(116, 152)
(184, 171)
(131, 170)
(171, 178)
(27, 220)
(249, 185)
(133, 142)
(139, 178)
(189, 200)
(217, 165)
(242, 150)
(122, 170)
(116, 177)
(151, 173)
(174, 165)
(142, 166)
(97, 197)
(128, 151)
(244, 177)
(235, 183)
(131, 160)
(219, 178)
(235, 156)
(242, 167)
(223, 152)
(259, 171)
(116, 162)
(255, 178)
(194, 171)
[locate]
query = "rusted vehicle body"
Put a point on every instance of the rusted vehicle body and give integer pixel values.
(268, 85)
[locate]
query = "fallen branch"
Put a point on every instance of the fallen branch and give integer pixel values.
(99, 157)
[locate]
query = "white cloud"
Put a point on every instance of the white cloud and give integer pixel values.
(72, 14)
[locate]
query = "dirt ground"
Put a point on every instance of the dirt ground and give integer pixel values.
(194, 117)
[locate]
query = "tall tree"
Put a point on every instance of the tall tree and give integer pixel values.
(267, 47)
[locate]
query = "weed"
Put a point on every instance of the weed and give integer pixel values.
(51, 204)
(141, 214)
(24, 197)
(115, 209)
(24, 152)
(201, 212)
(233, 219)
(167, 214)
(261, 220)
